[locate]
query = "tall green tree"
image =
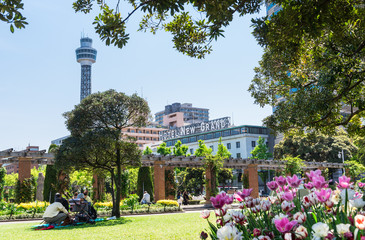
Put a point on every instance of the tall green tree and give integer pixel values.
(163, 150)
(314, 146)
(147, 151)
(97, 140)
(2, 181)
(145, 182)
(261, 151)
(312, 67)
(50, 178)
(180, 149)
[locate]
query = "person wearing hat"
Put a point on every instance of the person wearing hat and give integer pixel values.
(55, 213)
(64, 202)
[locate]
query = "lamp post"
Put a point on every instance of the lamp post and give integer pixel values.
(342, 155)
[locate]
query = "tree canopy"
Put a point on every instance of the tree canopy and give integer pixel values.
(312, 69)
(261, 151)
(97, 140)
(314, 146)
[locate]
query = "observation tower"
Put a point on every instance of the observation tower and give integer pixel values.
(86, 56)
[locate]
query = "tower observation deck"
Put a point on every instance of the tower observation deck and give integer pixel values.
(86, 56)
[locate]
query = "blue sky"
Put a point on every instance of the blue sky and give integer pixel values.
(40, 78)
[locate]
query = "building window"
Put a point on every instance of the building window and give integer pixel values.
(226, 133)
(209, 136)
(217, 135)
(154, 132)
(235, 131)
(238, 155)
(128, 130)
(253, 143)
(132, 131)
(191, 151)
(139, 131)
(228, 145)
(139, 138)
(238, 144)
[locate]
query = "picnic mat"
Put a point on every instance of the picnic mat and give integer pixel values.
(52, 226)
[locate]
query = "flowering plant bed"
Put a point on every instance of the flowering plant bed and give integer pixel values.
(319, 214)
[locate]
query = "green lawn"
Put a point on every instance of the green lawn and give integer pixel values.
(168, 226)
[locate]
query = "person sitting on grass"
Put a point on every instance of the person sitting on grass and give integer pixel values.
(64, 202)
(87, 198)
(55, 213)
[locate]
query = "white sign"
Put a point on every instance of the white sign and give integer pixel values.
(195, 128)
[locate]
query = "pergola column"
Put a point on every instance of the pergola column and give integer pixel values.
(253, 179)
(208, 186)
(25, 164)
(159, 179)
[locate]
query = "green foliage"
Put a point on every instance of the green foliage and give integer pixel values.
(81, 178)
(190, 179)
(360, 153)
(261, 151)
(10, 181)
(354, 169)
(225, 174)
(131, 201)
(133, 179)
(293, 165)
(147, 151)
(125, 183)
(2, 181)
(170, 184)
(35, 171)
(314, 146)
(192, 33)
(145, 182)
(180, 149)
(202, 150)
(50, 182)
(10, 12)
(313, 59)
(97, 141)
(163, 150)
(24, 191)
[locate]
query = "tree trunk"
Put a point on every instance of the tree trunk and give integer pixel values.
(118, 183)
(114, 210)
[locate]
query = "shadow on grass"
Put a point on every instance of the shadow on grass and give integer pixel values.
(97, 224)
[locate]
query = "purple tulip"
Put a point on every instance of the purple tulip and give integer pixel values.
(281, 180)
(273, 185)
(220, 200)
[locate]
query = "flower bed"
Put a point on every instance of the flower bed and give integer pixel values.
(320, 215)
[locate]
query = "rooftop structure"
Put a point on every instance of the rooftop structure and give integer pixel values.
(190, 114)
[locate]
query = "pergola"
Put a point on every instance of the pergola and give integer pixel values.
(162, 163)
(25, 159)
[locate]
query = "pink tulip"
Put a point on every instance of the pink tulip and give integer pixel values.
(344, 182)
(236, 196)
(308, 185)
(287, 206)
(281, 180)
(361, 185)
(284, 225)
(288, 196)
(245, 193)
(273, 185)
(323, 195)
(294, 181)
(319, 182)
(313, 174)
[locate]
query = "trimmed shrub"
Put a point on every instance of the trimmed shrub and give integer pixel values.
(50, 181)
(144, 182)
(170, 203)
(194, 202)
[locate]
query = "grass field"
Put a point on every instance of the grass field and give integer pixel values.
(169, 226)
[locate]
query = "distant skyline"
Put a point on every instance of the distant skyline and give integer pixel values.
(41, 78)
